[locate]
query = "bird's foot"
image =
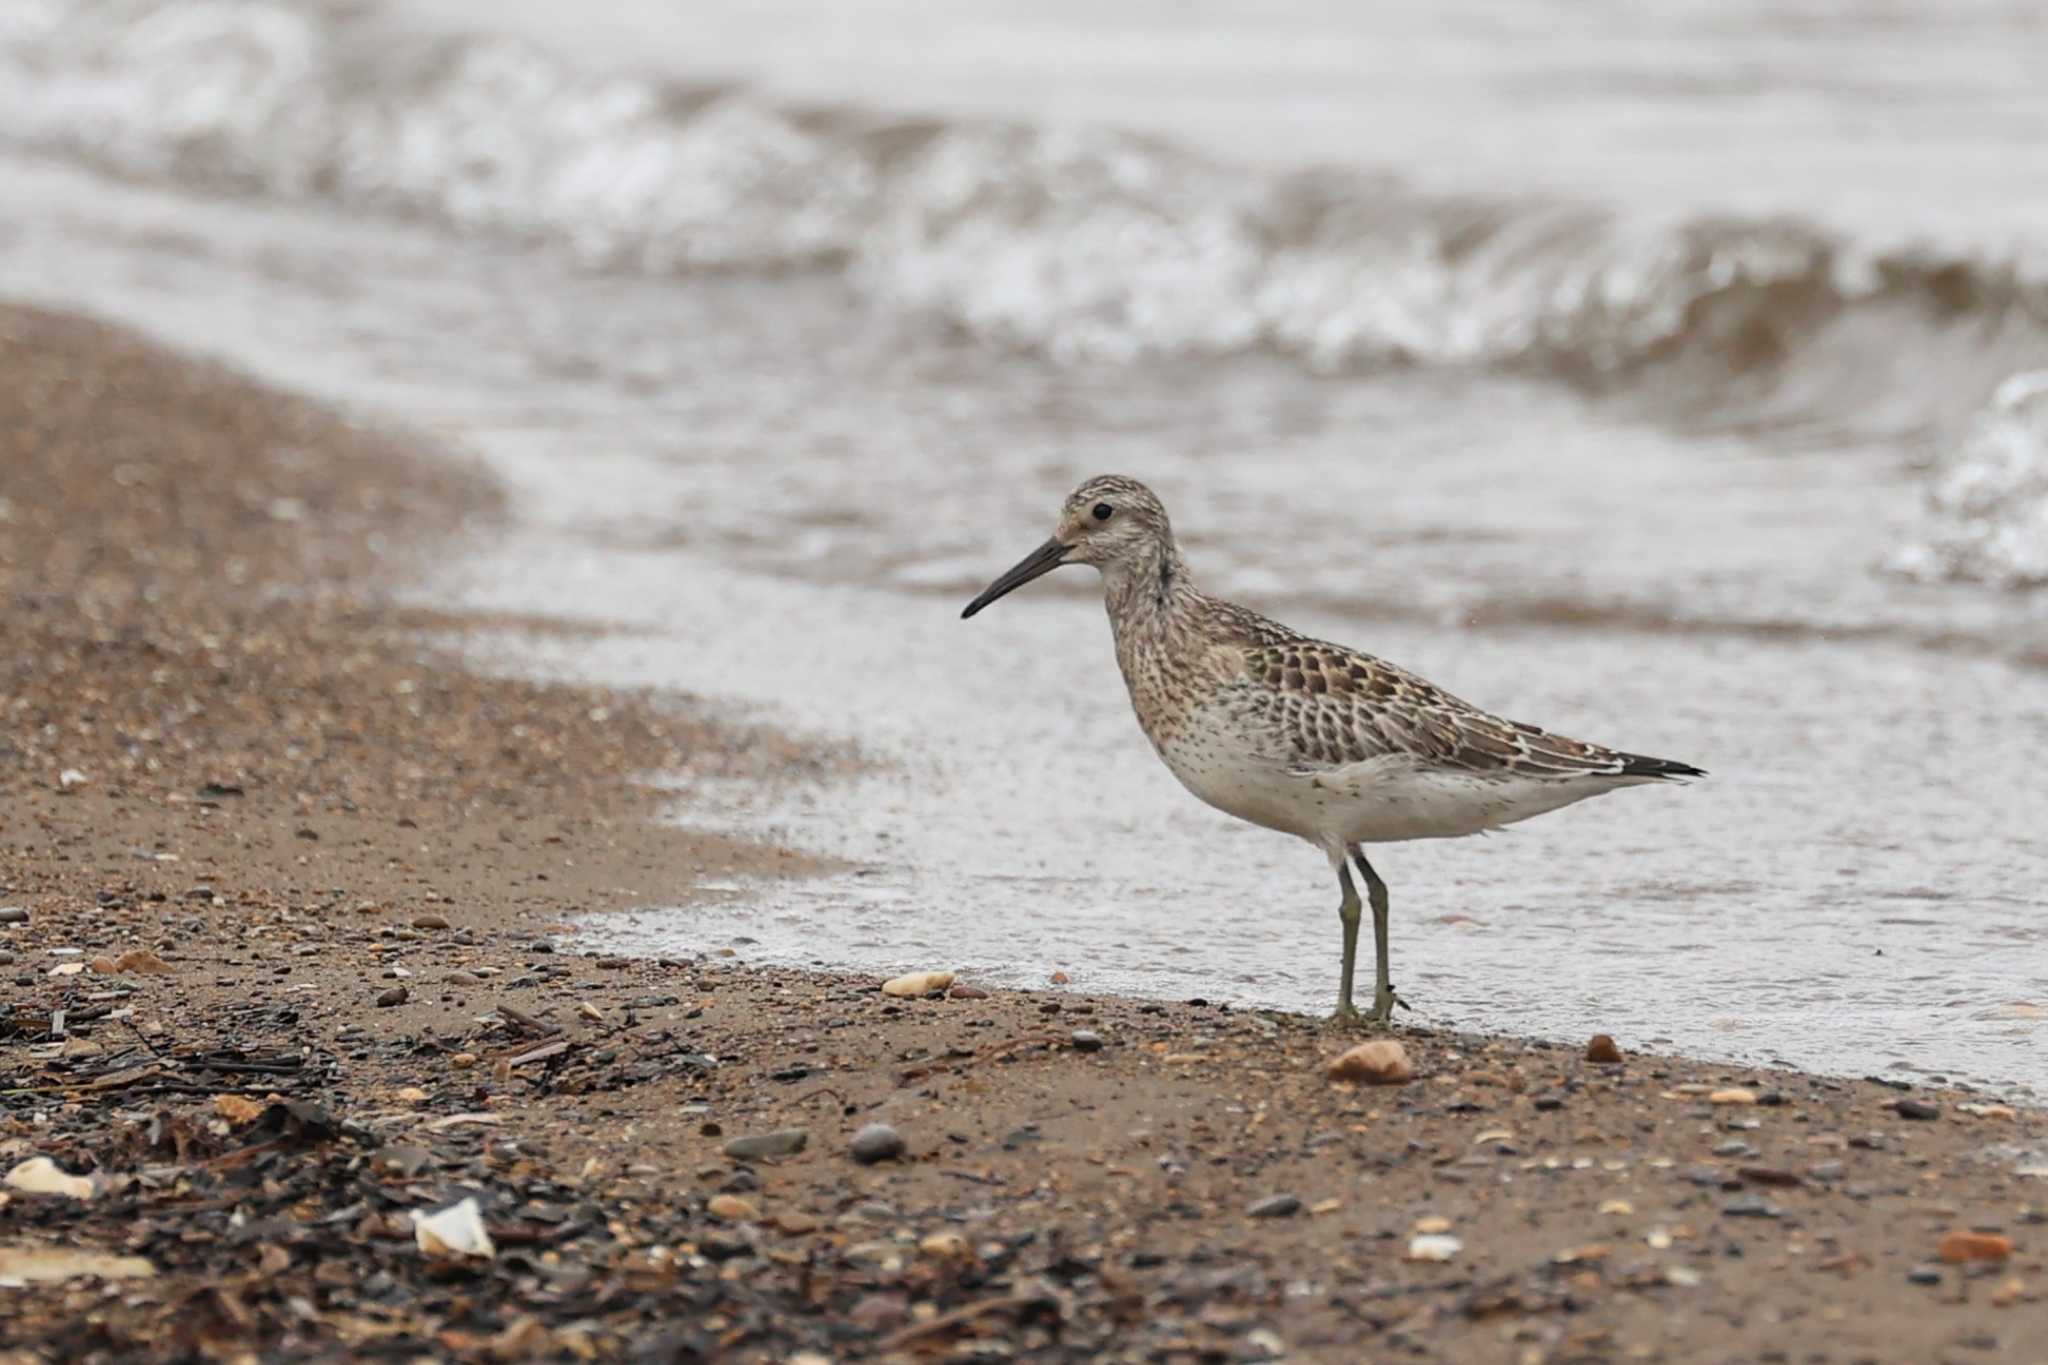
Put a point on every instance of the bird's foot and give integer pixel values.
(1346, 1016)
(1381, 1015)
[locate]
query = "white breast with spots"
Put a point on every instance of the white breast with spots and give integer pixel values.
(1213, 760)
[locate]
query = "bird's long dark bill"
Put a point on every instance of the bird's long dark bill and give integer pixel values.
(1042, 560)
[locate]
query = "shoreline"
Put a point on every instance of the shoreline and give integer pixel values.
(345, 867)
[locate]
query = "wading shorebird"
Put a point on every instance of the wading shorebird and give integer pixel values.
(1301, 736)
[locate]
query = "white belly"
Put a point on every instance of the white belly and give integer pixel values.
(1382, 800)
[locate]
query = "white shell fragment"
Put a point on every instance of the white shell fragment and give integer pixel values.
(457, 1230)
(1433, 1248)
(40, 1175)
(53, 1265)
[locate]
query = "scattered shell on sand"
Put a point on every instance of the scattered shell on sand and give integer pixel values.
(45, 1265)
(40, 1175)
(457, 1230)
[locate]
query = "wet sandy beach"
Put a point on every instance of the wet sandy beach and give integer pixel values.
(337, 879)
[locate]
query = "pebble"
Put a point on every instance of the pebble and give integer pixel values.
(917, 983)
(395, 996)
(13, 914)
(1275, 1206)
(1379, 1062)
(429, 922)
(1988, 1111)
(876, 1142)
(878, 1312)
(945, 1246)
(795, 1224)
(1085, 1040)
(731, 1208)
(1916, 1109)
(1603, 1050)
(1433, 1248)
(1435, 1223)
(1751, 1207)
(962, 991)
(1924, 1274)
(1960, 1246)
(786, 1142)
(1734, 1095)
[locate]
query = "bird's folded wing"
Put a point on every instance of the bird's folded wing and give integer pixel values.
(1325, 706)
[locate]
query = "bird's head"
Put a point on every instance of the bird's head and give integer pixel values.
(1112, 522)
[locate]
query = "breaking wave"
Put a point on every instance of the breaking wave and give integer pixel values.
(1082, 245)
(1986, 519)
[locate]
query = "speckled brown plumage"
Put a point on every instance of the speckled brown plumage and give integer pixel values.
(1300, 735)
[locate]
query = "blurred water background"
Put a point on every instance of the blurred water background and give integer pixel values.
(1674, 376)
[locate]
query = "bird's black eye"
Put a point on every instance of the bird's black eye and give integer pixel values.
(1103, 511)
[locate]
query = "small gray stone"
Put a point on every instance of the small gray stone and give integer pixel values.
(1085, 1040)
(395, 996)
(787, 1142)
(877, 1142)
(1923, 1274)
(1749, 1208)
(1275, 1206)
(13, 914)
(1916, 1109)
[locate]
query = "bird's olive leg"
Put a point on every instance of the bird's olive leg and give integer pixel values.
(1347, 912)
(1383, 987)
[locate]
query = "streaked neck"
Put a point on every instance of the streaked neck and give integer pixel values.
(1147, 587)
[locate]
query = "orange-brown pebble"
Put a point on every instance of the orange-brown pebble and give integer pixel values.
(1379, 1062)
(1603, 1050)
(1960, 1246)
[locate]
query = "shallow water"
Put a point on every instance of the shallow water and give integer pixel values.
(1598, 448)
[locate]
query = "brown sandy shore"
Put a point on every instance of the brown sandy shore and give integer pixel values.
(295, 963)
